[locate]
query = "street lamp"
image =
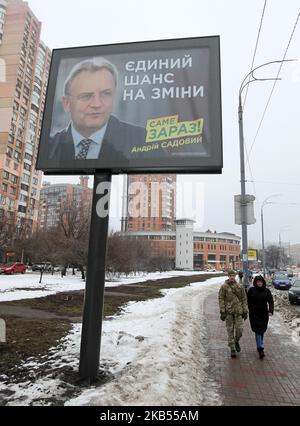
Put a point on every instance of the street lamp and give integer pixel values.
(244, 84)
(262, 230)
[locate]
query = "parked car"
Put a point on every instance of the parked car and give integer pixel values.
(13, 268)
(294, 291)
(281, 281)
(39, 266)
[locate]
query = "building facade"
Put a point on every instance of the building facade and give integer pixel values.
(184, 244)
(24, 75)
(150, 203)
(210, 250)
(56, 197)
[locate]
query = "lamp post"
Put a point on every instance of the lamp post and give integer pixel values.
(244, 84)
(262, 230)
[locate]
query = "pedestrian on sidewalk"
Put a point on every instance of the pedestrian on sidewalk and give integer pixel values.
(261, 306)
(233, 310)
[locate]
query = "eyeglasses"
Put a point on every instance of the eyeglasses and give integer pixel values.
(89, 96)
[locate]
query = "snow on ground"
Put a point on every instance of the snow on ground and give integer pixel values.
(153, 351)
(16, 287)
(289, 313)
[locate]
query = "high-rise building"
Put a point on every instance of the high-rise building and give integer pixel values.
(24, 68)
(56, 198)
(150, 203)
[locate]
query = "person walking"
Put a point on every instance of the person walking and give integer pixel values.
(233, 310)
(261, 306)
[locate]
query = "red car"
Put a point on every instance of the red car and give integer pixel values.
(13, 268)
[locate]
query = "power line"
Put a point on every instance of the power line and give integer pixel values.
(273, 88)
(261, 21)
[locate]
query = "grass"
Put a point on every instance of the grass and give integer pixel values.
(28, 338)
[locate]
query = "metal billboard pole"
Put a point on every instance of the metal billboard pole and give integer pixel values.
(95, 281)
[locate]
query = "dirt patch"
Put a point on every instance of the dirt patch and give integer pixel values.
(29, 338)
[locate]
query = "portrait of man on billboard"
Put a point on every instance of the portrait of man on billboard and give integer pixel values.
(93, 132)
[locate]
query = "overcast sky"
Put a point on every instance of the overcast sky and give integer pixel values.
(275, 156)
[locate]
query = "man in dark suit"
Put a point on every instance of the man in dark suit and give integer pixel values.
(93, 132)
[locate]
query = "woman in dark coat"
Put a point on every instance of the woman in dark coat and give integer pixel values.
(261, 306)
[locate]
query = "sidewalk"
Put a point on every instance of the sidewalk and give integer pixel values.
(247, 380)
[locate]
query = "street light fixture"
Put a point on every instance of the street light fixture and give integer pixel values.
(262, 230)
(244, 84)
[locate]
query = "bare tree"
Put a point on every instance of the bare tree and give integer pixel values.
(6, 232)
(275, 257)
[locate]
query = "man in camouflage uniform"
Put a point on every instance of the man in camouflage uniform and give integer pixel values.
(233, 309)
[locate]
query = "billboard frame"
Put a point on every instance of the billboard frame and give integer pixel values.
(212, 165)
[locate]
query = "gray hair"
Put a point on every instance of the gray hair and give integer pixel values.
(90, 65)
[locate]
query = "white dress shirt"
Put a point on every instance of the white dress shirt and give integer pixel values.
(95, 147)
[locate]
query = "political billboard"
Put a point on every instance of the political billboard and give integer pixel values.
(134, 108)
(252, 255)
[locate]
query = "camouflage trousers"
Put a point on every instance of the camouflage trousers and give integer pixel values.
(234, 327)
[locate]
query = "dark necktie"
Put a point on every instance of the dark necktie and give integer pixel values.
(85, 145)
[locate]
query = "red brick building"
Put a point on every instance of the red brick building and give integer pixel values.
(210, 249)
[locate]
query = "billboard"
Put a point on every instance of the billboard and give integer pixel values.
(136, 107)
(252, 255)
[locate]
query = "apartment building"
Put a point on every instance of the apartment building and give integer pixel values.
(56, 197)
(25, 63)
(150, 203)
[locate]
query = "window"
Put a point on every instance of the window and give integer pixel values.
(17, 156)
(20, 133)
(23, 112)
(24, 187)
(26, 178)
(16, 106)
(16, 166)
(19, 144)
(14, 179)
(22, 209)
(4, 187)
(19, 84)
(27, 167)
(23, 198)
(35, 181)
(5, 175)
(9, 152)
(2, 200)
(28, 156)
(13, 190)
(34, 107)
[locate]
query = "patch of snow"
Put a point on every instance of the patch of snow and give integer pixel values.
(153, 351)
(17, 287)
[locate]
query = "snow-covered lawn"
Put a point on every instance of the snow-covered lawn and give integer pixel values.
(153, 350)
(16, 287)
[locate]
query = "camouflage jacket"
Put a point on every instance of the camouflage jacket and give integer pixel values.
(232, 298)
